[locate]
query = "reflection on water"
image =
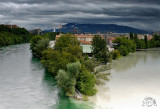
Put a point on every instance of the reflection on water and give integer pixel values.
(132, 79)
(129, 61)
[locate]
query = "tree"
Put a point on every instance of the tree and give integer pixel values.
(9, 36)
(86, 83)
(123, 50)
(100, 74)
(146, 41)
(74, 69)
(135, 38)
(115, 54)
(66, 82)
(90, 65)
(51, 35)
(40, 47)
(55, 60)
(131, 35)
(34, 41)
(67, 79)
(65, 41)
(100, 49)
(126, 44)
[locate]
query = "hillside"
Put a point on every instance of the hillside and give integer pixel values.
(94, 28)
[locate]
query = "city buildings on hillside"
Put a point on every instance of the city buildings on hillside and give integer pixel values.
(36, 31)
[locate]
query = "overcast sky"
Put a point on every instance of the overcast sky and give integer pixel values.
(46, 14)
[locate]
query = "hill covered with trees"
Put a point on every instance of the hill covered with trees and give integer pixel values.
(14, 35)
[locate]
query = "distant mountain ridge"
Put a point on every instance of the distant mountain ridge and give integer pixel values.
(94, 28)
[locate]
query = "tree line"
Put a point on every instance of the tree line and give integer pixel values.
(124, 45)
(10, 36)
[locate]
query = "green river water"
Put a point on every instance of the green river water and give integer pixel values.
(24, 83)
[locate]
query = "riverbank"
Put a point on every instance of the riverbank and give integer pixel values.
(149, 49)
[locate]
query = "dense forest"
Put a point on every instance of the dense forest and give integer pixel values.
(14, 35)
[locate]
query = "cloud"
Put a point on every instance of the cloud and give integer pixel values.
(46, 14)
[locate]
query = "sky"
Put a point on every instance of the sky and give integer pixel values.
(47, 14)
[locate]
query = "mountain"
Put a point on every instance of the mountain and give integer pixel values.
(94, 28)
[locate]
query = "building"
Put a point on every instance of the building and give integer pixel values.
(36, 31)
(157, 32)
(84, 39)
(11, 26)
(142, 36)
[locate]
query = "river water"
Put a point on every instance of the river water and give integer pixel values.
(24, 83)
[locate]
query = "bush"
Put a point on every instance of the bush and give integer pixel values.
(115, 54)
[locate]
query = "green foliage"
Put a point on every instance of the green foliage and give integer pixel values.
(66, 82)
(65, 41)
(51, 36)
(100, 49)
(66, 63)
(9, 36)
(55, 60)
(123, 50)
(75, 50)
(135, 38)
(67, 50)
(155, 42)
(90, 65)
(101, 74)
(34, 41)
(73, 69)
(86, 83)
(131, 35)
(40, 47)
(146, 42)
(62, 78)
(140, 44)
(115, 54)
(67, 79)
(16, 31)
(126, 44)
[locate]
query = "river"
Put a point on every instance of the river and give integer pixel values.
(24, 83)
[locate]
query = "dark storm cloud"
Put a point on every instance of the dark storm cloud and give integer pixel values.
(46, 14)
